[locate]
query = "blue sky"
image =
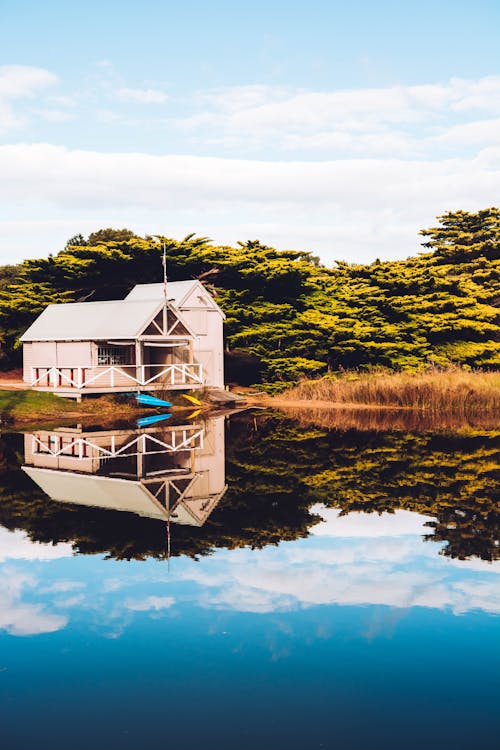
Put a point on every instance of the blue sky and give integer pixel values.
(342, 128)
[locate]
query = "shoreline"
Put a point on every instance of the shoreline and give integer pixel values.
(24, 408)
(42, 408)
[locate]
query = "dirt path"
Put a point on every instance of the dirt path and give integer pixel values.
(10, 384)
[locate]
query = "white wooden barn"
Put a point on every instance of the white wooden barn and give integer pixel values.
(136, 344)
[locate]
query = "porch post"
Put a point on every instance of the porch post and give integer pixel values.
(191, 361)
(139, 370)
(141, 450)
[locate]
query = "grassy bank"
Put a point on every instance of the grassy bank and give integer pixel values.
(19, 406)
(452, 390)
(27, 407)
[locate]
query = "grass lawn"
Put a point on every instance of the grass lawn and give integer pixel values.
(24, 404)
(17, 406)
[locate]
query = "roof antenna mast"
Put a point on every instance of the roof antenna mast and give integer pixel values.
(164, 262)
(165, 306)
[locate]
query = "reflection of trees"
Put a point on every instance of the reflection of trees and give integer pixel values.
(245, 517)
(453, 477)
(473, 532)
(276, 471)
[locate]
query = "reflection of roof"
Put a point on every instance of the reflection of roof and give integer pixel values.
(113, 493)
(87, 321)
(103, 492)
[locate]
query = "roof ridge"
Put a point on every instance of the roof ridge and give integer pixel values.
(101, 302)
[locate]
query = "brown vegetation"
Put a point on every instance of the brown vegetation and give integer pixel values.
(452, 390)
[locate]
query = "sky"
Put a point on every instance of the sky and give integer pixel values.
(338, 128)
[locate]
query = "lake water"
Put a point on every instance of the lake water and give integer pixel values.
(253, 581)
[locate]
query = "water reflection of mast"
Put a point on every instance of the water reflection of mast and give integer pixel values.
(167, 500)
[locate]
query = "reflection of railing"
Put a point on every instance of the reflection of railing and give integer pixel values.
(181, 439)
(111, 376)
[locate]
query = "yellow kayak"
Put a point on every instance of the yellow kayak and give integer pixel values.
(191, 399)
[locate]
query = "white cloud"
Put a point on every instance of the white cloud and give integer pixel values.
(386, 161)
(56, 116)
(19, 82)
(356, 209)
(143, 96)
(396, 120)
(476, 133)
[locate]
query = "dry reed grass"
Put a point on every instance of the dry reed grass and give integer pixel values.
(452, 390)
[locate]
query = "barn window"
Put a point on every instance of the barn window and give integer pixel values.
(114, 355)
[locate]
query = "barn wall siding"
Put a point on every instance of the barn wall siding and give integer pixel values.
(208, 348)
(44, 353)
(74, 354)
(28, 362)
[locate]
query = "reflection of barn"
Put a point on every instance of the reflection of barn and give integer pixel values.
(175, 473)
(136, 344)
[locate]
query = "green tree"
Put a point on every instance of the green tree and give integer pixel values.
(284, 309)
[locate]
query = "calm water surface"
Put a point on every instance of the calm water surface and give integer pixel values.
(249, 582)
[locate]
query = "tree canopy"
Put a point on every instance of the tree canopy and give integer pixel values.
(290, 313)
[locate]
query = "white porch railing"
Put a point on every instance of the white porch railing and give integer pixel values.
(111, 376)
(173, 441)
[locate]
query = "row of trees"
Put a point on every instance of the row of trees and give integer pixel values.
(286, 313)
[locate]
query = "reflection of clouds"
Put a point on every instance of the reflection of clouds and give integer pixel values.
(486, 595)
(475, 564)
(70, 601)
(63, 587)
(354, 560)
(17, 545)
(22, 618)
(401, 523)
(349, 585)
(114, 584)
(234, 595)
(150, 603)
(373, 550)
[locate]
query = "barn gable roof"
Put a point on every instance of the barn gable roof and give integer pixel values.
(93, 321)
(178, 293)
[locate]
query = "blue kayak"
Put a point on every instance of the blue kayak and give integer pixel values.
(147, 421)
(146, 400)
